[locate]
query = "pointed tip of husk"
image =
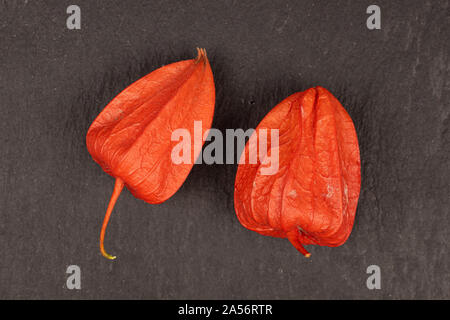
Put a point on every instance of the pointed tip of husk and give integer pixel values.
(201, 55)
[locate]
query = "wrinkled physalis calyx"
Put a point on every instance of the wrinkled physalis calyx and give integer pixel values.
(131, 139)
(312, 197)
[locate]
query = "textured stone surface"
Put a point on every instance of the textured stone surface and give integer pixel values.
(53, 82)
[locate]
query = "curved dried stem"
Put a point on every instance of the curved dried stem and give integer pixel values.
(117, 190)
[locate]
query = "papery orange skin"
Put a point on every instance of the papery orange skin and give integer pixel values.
(131, 138)
(312, 199)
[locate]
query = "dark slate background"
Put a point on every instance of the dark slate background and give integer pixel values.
(54, 81)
